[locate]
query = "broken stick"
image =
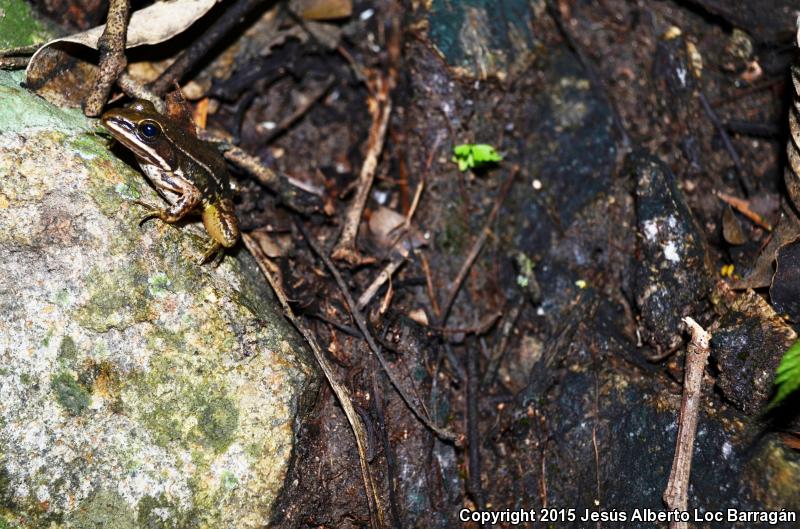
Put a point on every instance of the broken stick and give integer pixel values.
(676, 495)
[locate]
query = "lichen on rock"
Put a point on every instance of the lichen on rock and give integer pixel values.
(137, 388)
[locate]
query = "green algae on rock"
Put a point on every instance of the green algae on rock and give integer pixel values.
(19, 26)
(138, 389)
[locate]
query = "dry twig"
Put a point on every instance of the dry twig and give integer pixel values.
(476, 248)
(112, 55)
(443, 434)
(375, 507)
(677, 491)
(399, 253)
(345, 249)
(743, 207)
(231, 17)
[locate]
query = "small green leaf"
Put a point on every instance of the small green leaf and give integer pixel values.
(463, 150)
(787, 376)
(485, 153)
(469, 155)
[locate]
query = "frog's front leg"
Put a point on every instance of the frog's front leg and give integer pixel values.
(189, 196)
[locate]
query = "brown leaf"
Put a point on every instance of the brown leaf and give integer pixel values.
(760, 276)
(731, 228)
(60, 71)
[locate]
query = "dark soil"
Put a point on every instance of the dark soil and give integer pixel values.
(611, 234)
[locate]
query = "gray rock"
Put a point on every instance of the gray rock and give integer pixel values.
(137, 389)
(672, 271)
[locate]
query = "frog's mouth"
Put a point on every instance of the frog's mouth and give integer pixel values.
(125, 132)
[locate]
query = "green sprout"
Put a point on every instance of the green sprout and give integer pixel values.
(470, 155)
(787, 376)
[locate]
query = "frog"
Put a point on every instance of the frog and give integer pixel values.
(189, 173)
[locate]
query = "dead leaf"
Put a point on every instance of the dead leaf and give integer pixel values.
(63, 70)
(760, 275)
(419, 316)
(731, 228)
(382, 224)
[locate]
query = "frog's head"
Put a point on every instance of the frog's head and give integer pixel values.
(144, 131)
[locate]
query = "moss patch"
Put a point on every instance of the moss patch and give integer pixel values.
(160, 513)
(22, 109)
(67, 351)
(117, 299)
(196, 412)
(71, 395)
(18, 26)
(105, 510)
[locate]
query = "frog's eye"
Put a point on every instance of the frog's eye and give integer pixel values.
(149, 130)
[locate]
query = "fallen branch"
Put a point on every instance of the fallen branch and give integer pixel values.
(676, 495)
(112, 56)
(292, 193)
(375, 507)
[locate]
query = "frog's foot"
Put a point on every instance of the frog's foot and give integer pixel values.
(215, 251)
(154, 212)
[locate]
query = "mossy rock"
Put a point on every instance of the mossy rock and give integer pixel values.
(139, 388)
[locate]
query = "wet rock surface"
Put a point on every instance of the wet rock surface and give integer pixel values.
(784, 291)
(746, 347)
(137, 389)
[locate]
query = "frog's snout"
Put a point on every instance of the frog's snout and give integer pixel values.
(115, 123)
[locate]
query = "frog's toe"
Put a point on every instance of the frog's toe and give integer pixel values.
(152, 213)
(214, 251)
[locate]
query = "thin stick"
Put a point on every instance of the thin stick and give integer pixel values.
(676, 495)
(300, 111)
(442, 433)
(400, 251)
(388, 454)
(473, 428)
(476, 247)
(375, 507)
(21, 50)
(508, 325)
(112, 56)
(743, 207)
(14, 63)
(399, 256)
(429, 284)
(230, 18)
(345, 249)
(747, 183)
(135, 90)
